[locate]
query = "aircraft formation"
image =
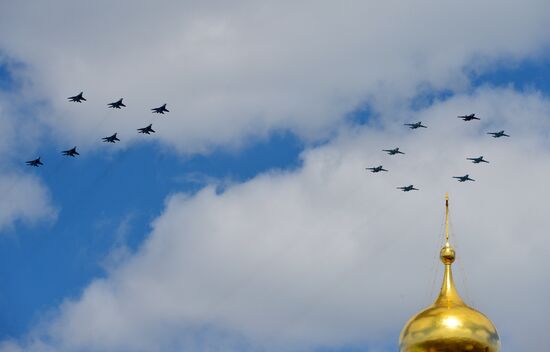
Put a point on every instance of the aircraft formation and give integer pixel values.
(414, 126)
(119, 104)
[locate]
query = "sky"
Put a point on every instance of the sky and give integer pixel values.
(248, 222)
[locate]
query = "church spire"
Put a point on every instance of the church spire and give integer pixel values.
(446, 219)
(448, 294)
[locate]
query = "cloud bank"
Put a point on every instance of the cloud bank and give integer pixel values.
(234, 71)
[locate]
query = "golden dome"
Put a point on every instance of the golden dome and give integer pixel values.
(449, 325)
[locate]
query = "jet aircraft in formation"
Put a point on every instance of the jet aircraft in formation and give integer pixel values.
(160, 110)
(77, 98)
(478, 160)
(498, 134)
(414, 126)
(35, 162)
(419, 124)
(408, 188)
(392, 151)
(463, 178)
(70, 152)
(117, 104)
(376, 169)
(111, 139)
(146, 130)
(468, 117)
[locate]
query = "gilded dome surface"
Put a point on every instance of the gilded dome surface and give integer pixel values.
(449, 325)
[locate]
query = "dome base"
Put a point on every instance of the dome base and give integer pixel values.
(451, 345)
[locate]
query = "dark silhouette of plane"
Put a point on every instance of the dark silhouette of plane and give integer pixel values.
(77, 98)
(463, 178)
(376, 169)
(408, 188)
(146, 130)
(117, 104)
(160, 110)
(414, 126)
(468, 117)
(111, 139)
(392, 151)
(498, 134)
(478, 160)
(35, 162)
(70, 152)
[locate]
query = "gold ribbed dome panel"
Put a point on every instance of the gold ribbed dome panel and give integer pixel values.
(449, 325)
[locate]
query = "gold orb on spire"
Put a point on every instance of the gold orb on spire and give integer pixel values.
(449, 325)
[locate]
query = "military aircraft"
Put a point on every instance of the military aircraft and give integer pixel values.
(414, 126)
(392, 151)
(468, 117)
(111, 139)
(408, 188)
(376, 169)
(70, 152)
(35, 162)
(463, 178)
(498, 134)
(160, 110)
(77, 98)
(146, 130)
(117, 104)
(478, 160)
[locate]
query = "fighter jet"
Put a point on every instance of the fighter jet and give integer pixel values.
(117, 104)
(414, 126)
(498, 134)
(392, 151)
(111, 139)
(77, 98)
(35, 162)
(70, 152)
(468, 117)
(463, 178)
(160, 110)
(376, 169)
(408, 188)
(146, 130)
(478, 160)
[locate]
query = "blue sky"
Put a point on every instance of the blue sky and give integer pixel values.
(253, 192)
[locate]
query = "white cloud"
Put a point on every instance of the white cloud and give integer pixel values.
(234, 70)
(330, 254)
(24, 198)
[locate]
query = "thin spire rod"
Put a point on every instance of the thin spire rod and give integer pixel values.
(446, 219)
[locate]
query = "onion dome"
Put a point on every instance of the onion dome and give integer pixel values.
(449, 325)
